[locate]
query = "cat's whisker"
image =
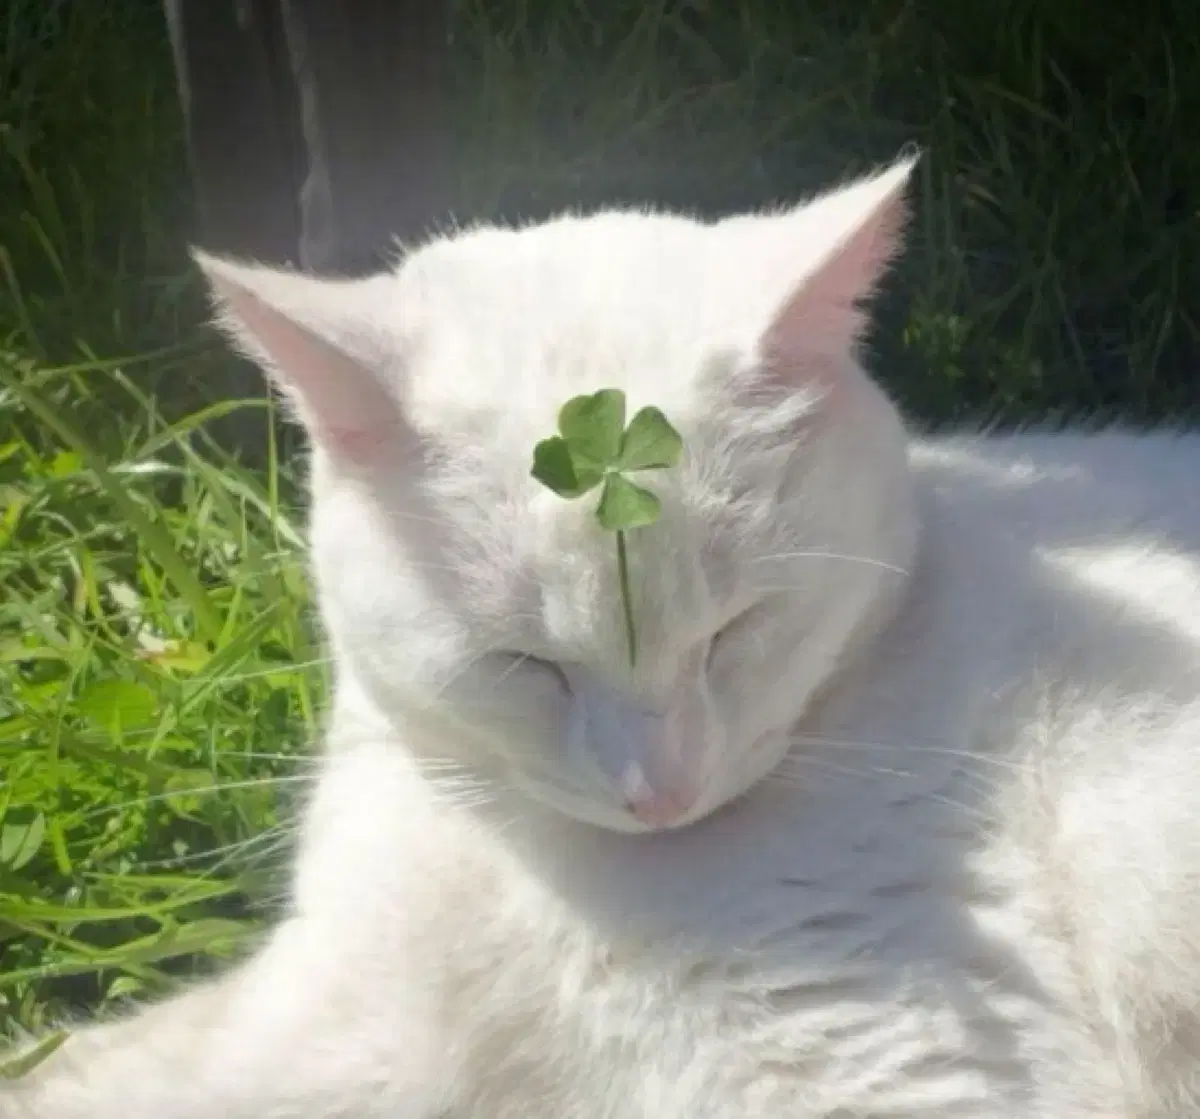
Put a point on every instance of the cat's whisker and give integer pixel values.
(465, 793)
(298, 758)
(271, 840)
(795, 765)
(895, 749)
(203, 790)
(793, 775)
(472, 662)
(278, 670)
(447, 764)
(783, 557)
(979, 791)
(455, 781)
(418, 518)
(967, 776)
(463, 779)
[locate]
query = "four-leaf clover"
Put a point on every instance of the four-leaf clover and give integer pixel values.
(595, 448)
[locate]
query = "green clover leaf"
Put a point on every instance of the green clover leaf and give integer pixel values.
(624, 505)
(594, 447)
(649, 443)
(593, 425)
(559, 470)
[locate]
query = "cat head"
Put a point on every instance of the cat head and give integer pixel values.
(447, 575)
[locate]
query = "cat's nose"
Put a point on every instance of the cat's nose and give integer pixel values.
(655, 803)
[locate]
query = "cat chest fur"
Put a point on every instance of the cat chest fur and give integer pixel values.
(861, 953)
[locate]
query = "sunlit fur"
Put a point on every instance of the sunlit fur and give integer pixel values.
(896, 815)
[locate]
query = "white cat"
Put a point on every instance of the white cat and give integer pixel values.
(898, 814)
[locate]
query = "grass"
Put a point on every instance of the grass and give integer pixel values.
(160, 681)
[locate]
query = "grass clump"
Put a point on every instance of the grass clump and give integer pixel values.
(159, 684)
(159, 680)
(159, 688)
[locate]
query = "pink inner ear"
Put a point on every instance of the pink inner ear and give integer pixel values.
(824, 317)
(340, 400)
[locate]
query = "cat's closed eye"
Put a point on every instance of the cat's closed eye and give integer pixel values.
(729, 633)
(515, 661)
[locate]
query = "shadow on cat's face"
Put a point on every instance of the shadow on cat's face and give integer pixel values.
(450, 580)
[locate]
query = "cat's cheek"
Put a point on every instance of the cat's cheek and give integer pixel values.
(573, 730)
(528, 706)
(745, 748)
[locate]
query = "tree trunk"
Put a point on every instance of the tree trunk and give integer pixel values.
(315, 130)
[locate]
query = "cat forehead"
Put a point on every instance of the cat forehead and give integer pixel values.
(617, 257)
(631, 277)
(606, 239)
(526, 319)
(515, 322)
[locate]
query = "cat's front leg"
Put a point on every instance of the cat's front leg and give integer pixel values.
(125, 1067)
(288, 1036)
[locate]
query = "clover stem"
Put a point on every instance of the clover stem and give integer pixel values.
(626, 597)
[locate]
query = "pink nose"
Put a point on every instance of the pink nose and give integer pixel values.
(654, 807)
(660, 811)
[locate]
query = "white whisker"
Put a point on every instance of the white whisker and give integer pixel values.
(895, 749)
(272, 840)
(202, 790)
(298, 758)
(283, 668)
(781, 557)
(791, 773)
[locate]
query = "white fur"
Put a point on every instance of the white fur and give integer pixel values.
(921, 719)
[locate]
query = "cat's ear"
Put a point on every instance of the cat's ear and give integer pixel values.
(325, 343)
(840, 245)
